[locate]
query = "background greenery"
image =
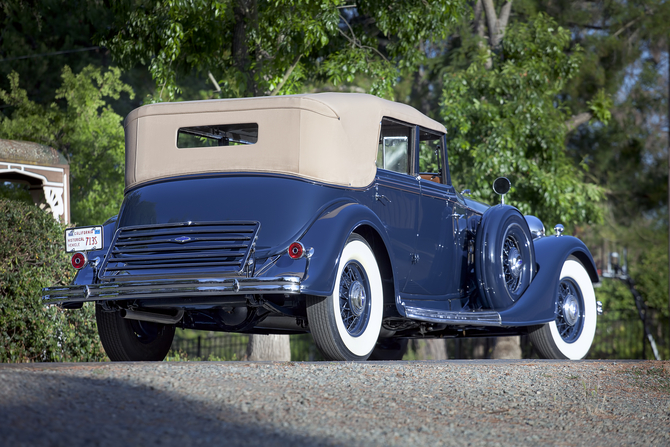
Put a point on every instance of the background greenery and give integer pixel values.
(32, 257)
(569, 99)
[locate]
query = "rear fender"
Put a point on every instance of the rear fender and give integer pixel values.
(327, 236)
(538, 304)
(86, 275)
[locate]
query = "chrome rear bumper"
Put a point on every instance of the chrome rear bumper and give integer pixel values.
(170, 288)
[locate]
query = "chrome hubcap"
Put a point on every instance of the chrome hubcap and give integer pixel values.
(571, 310)
(512, 263)
(515, 262)
(570, 318)
(357, 298)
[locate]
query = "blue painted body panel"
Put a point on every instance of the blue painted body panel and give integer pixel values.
(327, 236)
(425, 228)
(538, 304)
(86, 275)
(285, 206)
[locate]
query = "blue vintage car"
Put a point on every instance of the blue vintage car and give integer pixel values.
(329, 213)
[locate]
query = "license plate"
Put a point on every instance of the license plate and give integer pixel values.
(83, 239)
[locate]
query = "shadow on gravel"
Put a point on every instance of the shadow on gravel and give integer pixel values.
(58, 410)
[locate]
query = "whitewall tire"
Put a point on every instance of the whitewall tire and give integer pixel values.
(571, 334)
(346, 324)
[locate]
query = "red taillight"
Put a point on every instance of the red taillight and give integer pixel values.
(296, 250)
(79, 260)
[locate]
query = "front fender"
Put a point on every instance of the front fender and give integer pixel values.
(327, 236)
(538, 304)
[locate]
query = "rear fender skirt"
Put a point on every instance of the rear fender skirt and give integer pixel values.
(327, 236)
(538, 304)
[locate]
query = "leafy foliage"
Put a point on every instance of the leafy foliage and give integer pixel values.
(650, 273)
(507, 121)
(257, 47)
(86, 131)
(625, 59)
(32, 257)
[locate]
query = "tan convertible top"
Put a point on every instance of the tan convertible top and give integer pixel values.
(326, 137)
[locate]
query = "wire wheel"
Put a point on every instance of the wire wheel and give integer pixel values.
(570, 311)
(571, 334)
(504, 257)
(346, 324)
(512, 263)
(354, 298)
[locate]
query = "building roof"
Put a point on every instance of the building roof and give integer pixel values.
(27, 152)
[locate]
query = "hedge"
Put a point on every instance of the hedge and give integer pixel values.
(32, 256)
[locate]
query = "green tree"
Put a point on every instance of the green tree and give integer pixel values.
(39, 38)
(85, 129)
(626, 56)
(506, 120)
(257, 47)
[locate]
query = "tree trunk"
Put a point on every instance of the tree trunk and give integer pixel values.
(269, 347)
(507, 348)
(420, 89)
(479, 348)
(246, 17)
(577, 120)
(496, 25)
(431, 349)
(504, 347)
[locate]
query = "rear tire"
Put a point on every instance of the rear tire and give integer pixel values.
(132, 340)
(346, 324)
(569, 336)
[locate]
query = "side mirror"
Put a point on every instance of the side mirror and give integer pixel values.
(502, 186)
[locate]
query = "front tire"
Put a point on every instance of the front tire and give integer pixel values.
(346, 324)
(132, 340)
(569, 336)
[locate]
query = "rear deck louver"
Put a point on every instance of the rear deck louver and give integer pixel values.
(183, 249)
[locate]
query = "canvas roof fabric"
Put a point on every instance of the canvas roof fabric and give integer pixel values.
(326, 137)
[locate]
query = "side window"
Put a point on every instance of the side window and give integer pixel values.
(395, 146)
(430, 156)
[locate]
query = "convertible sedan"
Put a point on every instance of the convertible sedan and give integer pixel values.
(329, 213)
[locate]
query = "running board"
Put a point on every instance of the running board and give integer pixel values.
(481, 318)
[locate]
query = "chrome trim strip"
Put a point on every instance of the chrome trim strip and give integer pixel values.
(481, 318)
(171, 289)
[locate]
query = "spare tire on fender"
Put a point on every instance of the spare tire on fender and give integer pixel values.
(505, 257)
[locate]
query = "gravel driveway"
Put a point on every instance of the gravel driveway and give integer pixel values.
(526, 402)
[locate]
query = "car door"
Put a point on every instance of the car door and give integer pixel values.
(398, 194)
(438, 272)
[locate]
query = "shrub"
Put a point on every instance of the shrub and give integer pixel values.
(32, 257)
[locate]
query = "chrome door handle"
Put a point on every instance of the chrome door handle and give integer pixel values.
(380, 197)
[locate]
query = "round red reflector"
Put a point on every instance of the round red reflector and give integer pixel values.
(78, 260)
(296, 250)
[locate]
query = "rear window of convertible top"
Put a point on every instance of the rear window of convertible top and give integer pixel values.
(217, 135)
